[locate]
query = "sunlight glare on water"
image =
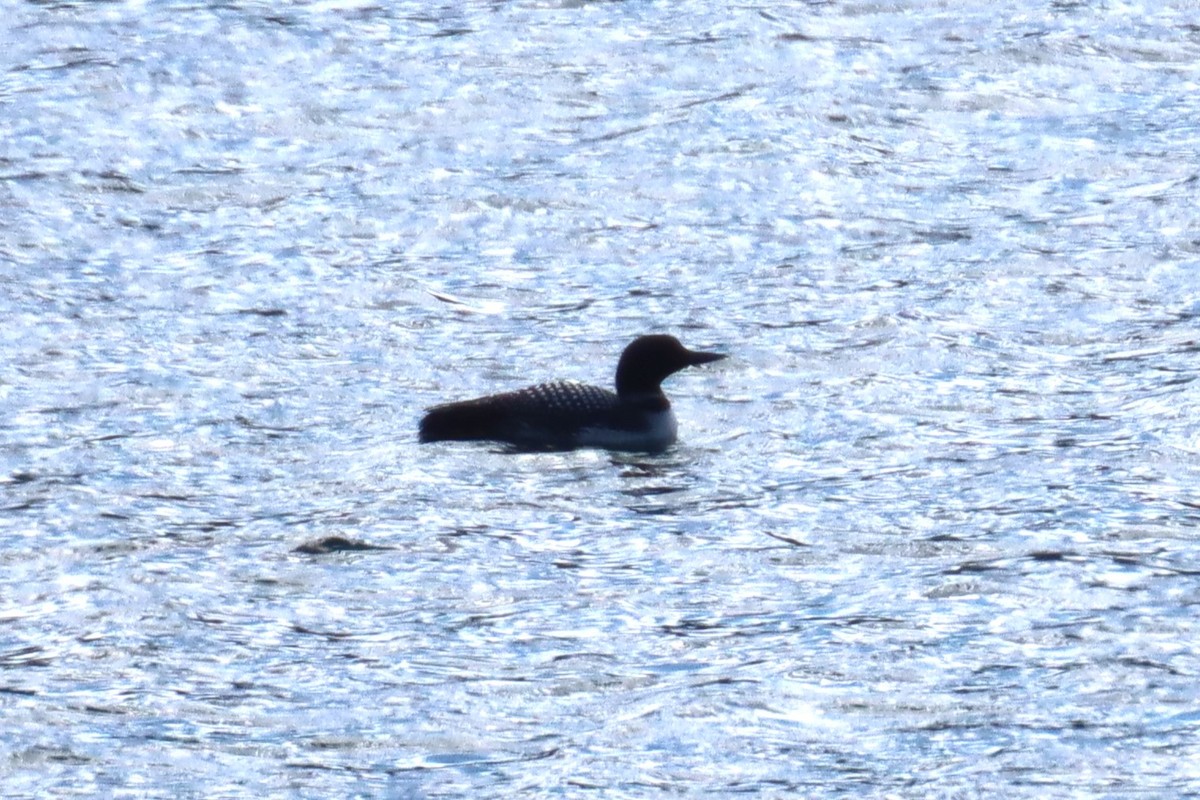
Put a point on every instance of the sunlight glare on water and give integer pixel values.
(929, 531)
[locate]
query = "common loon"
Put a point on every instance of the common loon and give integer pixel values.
(564, 414)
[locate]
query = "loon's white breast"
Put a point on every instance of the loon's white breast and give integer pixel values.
(658, 432)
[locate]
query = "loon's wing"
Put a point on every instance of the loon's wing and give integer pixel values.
(549, 414)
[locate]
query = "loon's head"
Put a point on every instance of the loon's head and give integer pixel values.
(649, 359)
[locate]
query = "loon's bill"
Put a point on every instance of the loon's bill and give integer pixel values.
(563, 415)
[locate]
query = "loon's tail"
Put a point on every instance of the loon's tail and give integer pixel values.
(465, 421)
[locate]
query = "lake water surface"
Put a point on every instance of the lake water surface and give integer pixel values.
(930, 531)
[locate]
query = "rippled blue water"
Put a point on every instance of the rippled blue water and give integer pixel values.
(929, 532)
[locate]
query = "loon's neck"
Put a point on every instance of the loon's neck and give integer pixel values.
(645, 402)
